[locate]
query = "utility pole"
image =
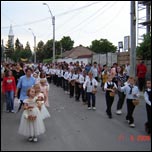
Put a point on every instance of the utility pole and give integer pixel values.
(133, 40)
(34, 45)
(53, 23)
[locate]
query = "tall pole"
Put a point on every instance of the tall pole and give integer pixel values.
(53, 23)
(34, 45)
(133, 41)
(34, 49)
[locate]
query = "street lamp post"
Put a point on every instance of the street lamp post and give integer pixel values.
(34, 45)
(53, 23)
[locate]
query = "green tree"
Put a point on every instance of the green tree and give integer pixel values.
(58, 48)
(67, 43)
(9, 49)
(40, 51)
(102, 46)
(144, 49)
(17, 50)
(48, 49)
(26, 53)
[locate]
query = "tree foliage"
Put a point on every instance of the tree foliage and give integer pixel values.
(26, 52)
(144, 49)
(67, 43)
(40, 51)
(102, 46)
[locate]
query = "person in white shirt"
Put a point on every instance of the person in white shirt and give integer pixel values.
(71, 79)
(91, 84)
(132, 92)
(109, 88)
(78, 84)
(59, 74)
(84, 93)
(94, 70)
(147, 97)
(65, 77)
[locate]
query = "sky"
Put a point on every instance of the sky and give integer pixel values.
(82, 21)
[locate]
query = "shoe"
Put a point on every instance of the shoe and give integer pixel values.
(89, 108)
(132, 125)
(12, 111)
(94, 108)
(30, 139)
(35, 139)
(110, 116)
(118, 112)
(128, 121)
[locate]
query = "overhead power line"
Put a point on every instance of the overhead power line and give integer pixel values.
(44, 19)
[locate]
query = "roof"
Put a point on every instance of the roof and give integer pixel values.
(78, 52)
(11, 31)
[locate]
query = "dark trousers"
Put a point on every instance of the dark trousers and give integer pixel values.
(71, 90)
(48, 78)
(121, 99)
(84, 95)
(141, 83)
(55, 79)
(148, 123)
(59, 81)
(89, 96)
(21, 104)
(63, 83)
(109, 102)
(130, 110)
(77, 91)
(66, 85)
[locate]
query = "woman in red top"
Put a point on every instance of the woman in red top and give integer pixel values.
(9, 88)
(141, 74)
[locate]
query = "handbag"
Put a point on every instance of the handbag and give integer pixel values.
(112, 94)
(135, 102)
(94, 91)
(16, 104)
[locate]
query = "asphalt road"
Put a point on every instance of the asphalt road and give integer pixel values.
(72, 127)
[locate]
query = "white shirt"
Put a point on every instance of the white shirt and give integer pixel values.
(90, 87)
(72, 76)
(66, 74)
(94, 71)
(80, 78)
(126, 89)
(147, 98)
(110, 83)
(52, 71)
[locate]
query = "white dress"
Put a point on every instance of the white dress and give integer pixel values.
(45, 90)
(28, 127)
(44, 111)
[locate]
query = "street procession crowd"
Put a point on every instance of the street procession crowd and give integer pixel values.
(30, 83)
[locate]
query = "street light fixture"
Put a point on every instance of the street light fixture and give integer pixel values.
(34, 45)
(53, 23)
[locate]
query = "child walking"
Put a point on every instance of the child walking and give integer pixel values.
(31, 124)
(147, 97)
(91, 85)
(132, 92)
(41, 100)
(44, 88)
(109, 88)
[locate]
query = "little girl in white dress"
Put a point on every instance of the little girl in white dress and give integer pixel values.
(41, 100)
(45, 89)
(31, 124)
